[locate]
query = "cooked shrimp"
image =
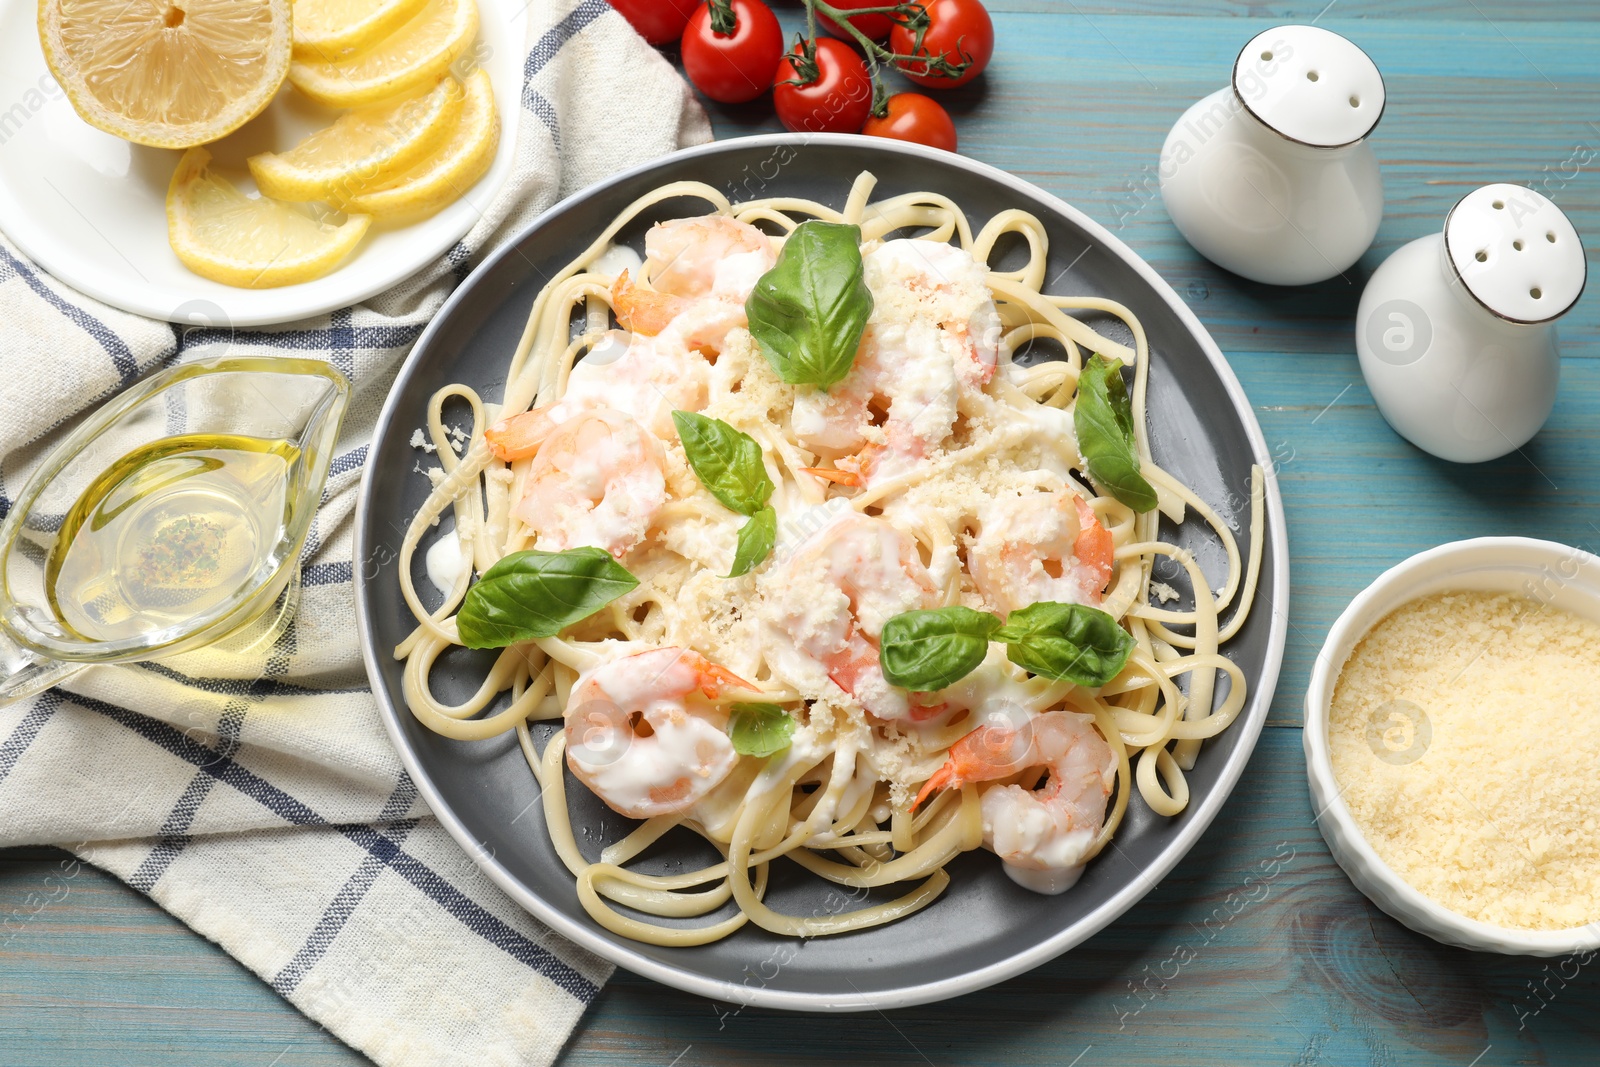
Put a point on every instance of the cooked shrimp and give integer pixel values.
(710, 254)
(933, 340)
(597, 479)
(1040, 546)
(645, 377)
(1048, 829)
(833, 598)
(645, 732)
(701, 272)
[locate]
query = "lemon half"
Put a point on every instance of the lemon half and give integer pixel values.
(221, 234)
(168, 73)
(416, 54)
(441, 179)
(362, 148)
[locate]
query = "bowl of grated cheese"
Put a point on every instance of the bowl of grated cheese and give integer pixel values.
(1452, 728)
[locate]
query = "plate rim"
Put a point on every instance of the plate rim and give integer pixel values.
(35, 241)
(588, 935)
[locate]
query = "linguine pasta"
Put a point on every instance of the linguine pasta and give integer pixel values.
(928, 494)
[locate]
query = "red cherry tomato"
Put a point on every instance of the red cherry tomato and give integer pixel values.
(658, 21)
(837, 100)
(954, 27)
(733, 68)
(914, 117)
(875, 26)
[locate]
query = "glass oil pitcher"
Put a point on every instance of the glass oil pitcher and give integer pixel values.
(171, 520)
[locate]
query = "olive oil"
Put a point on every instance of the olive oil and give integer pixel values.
(168, 532)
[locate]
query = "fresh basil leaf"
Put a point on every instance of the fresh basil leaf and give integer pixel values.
(727, 461)
(1104, 419)
(808, 312)
(538, 594)
(928, 650)
(760, 729)
(756, 539)
(1070, 642)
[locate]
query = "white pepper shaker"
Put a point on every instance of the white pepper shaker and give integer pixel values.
(1272, 177)
(1456, 330)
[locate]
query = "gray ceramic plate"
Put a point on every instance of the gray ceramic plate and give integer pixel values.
(984, 929)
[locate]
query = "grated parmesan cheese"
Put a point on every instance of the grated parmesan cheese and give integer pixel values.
(1465, 732)
(1164, 592)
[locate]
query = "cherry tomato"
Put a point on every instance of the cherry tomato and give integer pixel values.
(733, 68)
(658, 21)
(914, 117)
(950, 22)
(837, 100)
(875, 26)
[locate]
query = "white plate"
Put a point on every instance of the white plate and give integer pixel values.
(90, 208)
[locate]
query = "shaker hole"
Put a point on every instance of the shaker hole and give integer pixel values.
(1267, 56)
(1550, 236)
(1536, 292)
(1517, 244)
(1499, 205)
(1482, 255)
(1355, 101)
(1311, 75)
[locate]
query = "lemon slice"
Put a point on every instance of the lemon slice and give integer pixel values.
(168, 73)
(442, 178)
(415, 55)
(221, 234)
(326, 28)
(362, 148)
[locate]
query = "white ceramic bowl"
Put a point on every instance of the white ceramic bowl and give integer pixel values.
(1564, 577)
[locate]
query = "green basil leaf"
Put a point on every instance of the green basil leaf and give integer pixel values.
(727, 461)
(808, 312)
(538, 594)
(760, 729)
(1104, 418)
(1069, 642)
(928, 650)
(756, 539)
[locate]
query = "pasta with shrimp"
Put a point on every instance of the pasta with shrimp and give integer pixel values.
(800, 559)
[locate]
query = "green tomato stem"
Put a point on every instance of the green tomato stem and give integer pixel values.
(877, 53)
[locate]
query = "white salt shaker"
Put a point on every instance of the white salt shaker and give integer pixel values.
(1456, 331)
(1272, 177)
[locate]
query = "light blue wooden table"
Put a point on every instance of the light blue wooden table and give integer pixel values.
(1078, 100)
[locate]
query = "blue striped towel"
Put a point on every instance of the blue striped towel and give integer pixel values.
(267, 809)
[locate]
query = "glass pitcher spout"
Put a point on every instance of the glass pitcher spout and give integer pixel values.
(24, 673)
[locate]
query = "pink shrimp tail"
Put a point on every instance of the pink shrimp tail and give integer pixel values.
(714, 679)
(643, 310)
(1094, 552)
(827, 474)
(944, 776)
(519, 436)
(987, 753)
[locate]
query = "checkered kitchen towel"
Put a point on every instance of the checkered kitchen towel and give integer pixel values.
(270, 812)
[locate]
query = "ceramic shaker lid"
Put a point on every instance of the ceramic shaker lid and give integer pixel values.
(1515, 252)
(1310, 85)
